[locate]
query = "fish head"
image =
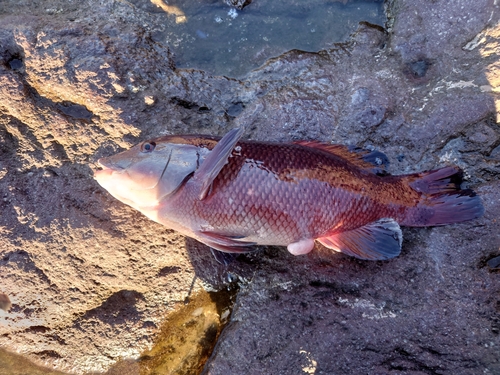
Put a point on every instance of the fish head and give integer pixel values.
(149, 172)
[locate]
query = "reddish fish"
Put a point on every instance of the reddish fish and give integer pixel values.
(232, 194)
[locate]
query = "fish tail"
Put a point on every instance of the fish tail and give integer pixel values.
(443, 201)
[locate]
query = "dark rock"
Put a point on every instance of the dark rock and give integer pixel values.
(15, 64)
(371, 116)
(82, 80)
(418, 69)
(494, 263)
(239, 4)
(78, 112)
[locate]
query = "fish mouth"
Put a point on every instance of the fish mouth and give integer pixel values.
(106, 164)
(101, 163)
(105, 167)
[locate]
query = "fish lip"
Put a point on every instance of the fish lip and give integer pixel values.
(105, 164)
(105, 168)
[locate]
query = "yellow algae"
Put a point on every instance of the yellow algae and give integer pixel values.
(180, 17)
(188, 336)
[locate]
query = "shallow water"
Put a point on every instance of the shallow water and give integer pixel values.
(184, 342)
(209, 35)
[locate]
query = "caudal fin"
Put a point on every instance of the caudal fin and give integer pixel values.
(443, 202)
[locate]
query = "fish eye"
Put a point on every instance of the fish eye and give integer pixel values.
(148, 147)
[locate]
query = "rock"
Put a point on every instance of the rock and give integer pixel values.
(5, 303)
(91, 280)
(69, 264)
(238, 4)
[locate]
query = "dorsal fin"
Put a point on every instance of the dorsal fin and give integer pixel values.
(373, 161)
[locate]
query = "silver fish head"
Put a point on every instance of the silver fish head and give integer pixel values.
(149, 172)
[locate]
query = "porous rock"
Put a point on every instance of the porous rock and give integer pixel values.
(90, 279)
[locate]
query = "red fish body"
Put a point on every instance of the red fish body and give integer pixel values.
(232, 194)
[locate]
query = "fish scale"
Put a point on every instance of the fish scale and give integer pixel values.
(232, 194)
(283, 197)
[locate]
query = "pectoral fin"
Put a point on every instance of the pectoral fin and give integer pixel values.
(379, 240)
(225, 243)
(216, 160)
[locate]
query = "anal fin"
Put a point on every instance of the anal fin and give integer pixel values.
(379, 240)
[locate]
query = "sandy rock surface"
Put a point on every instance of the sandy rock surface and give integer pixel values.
(90, 280)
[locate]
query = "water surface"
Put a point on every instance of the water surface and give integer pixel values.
(209, 35)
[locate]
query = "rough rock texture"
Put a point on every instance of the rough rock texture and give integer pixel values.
(90, 279)
(239, 4)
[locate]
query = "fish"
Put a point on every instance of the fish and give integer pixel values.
(233, 194)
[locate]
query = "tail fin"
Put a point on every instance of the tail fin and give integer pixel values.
(443, 202)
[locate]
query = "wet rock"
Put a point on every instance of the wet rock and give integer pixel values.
(90, 280)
